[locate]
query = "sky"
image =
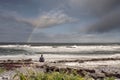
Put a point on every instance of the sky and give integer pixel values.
(72, 21)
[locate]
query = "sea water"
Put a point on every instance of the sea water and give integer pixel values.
(58, 51)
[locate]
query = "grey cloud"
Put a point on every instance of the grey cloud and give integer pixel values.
(48, 19)
(44, 20)
(19, 29)
(24, 7)
(19, 17)
(42, 37)
(93, 7)
(11, 17)
(30, 7)
(72, 7)
(13, 31)
(107, 23)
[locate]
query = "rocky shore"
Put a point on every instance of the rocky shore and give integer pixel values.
(94, 72)
(97, 68)
(94, 67)
(12, 64)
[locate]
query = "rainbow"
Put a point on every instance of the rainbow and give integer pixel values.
(31, 35)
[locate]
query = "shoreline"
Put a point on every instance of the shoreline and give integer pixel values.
(94, 67)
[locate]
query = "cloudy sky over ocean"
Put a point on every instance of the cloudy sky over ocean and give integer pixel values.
(59, 20)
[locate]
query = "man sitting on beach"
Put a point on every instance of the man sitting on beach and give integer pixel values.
(41, 58)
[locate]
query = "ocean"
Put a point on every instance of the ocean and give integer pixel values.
(57, 50)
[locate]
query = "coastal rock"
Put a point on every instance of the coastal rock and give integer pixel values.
(95, 68)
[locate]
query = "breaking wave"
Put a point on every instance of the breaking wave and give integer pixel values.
(64, 49)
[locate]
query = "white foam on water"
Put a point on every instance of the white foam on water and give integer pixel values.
(74, 48)
(52, 57)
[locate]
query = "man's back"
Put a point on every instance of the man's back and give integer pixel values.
(41, 59)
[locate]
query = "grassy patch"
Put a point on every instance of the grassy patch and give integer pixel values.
(33, 75)
(2, 70)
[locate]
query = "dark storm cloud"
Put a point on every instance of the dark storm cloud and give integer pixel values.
(11, 17)
(92, 7)
(107, 23)
(23, 7)
(13, 31)
(73, 8)
(30, 7)
(105, 12)
(30, 4)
